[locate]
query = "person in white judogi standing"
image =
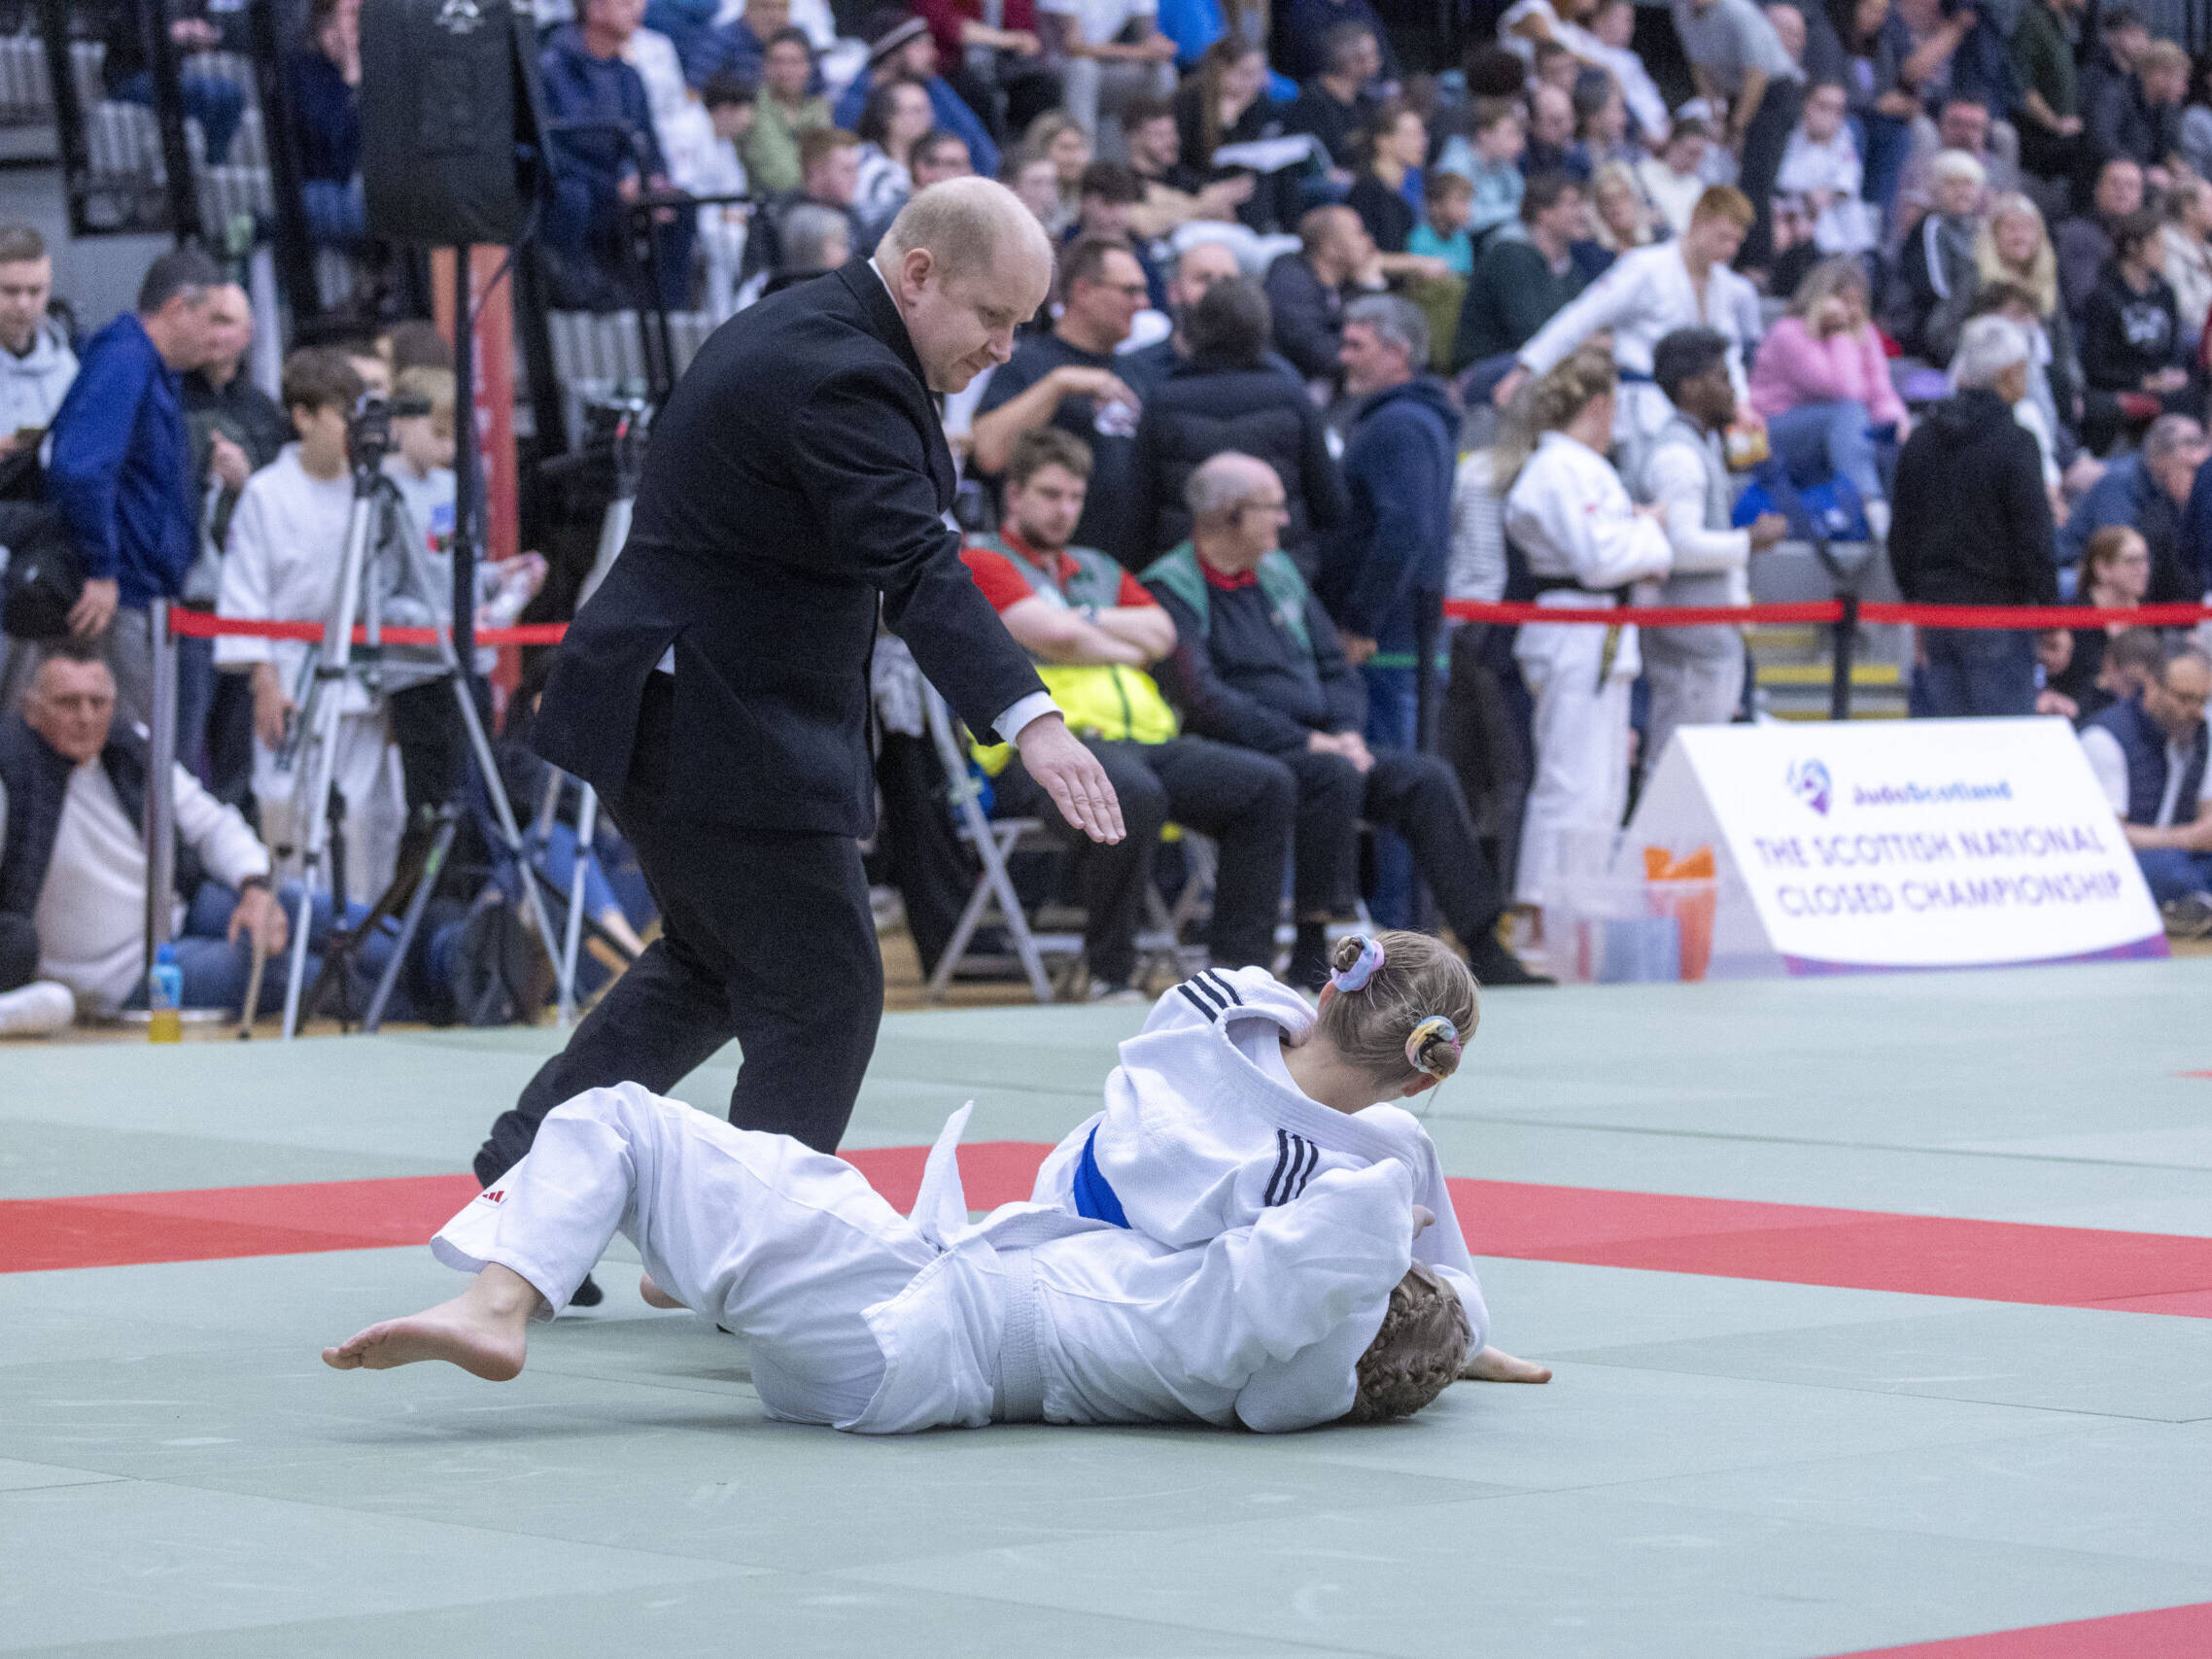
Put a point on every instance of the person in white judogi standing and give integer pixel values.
(1696, 675)
(859, 1318)
(1587, 544)
(286, 550)
(1238, 1093)
(1645, 296)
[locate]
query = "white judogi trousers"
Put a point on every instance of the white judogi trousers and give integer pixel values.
(367, 774)
(786, 1246)
(1580, 729)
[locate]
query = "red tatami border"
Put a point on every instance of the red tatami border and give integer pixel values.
(1799, 1244)
(2164, 1633)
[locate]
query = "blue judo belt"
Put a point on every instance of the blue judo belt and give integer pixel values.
(1094, 1195)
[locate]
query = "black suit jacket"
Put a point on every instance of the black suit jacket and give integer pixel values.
(798, 473)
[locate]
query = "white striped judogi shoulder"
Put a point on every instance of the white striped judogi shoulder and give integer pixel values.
(1203, 1131)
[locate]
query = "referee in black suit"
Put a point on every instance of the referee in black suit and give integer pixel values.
(715, 688)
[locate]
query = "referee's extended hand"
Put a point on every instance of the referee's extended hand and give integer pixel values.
(1072, 777)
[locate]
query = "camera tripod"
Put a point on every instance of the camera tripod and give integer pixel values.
(376, 523)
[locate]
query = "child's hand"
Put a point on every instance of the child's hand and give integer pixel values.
(1424, 1218)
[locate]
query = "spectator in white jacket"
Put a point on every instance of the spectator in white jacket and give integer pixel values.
(286, 549)
(1587, 544)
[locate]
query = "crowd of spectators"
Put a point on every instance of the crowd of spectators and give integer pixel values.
(144, 462)
(1609, 308)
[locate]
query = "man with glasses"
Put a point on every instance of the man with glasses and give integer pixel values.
(2148, 754)
(1072, 379)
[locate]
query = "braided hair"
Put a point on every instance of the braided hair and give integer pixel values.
(1417, 1352)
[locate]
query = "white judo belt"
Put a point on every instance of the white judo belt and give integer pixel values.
(1019, 1394)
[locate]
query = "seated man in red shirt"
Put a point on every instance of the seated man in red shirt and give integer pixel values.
(1093, 631)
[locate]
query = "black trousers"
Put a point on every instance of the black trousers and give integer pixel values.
(1418, 796)
(1484, 733)
(18, 951)
(432, 743)
(1240, 798)
(765, 938)
(1764, 142)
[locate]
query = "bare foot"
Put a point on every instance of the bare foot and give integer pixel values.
(484, 1331)
(654, 1295)
(1494, 1366)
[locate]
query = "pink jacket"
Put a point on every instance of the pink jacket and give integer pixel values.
(1794, 368)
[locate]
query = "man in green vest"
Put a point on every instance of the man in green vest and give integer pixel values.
(1093, 632)
(1257, 666)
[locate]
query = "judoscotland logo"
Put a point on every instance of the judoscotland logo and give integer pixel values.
(1810, 783)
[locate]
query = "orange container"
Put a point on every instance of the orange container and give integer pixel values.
(1692, 904)
(1685, 889)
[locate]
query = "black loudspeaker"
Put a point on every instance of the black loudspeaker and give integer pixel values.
(450, 119)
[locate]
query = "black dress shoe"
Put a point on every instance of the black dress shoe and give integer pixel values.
(1494, 965)
(588, 1294)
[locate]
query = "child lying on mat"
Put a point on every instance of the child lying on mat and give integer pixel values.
(1238, 1095)
(863, 1319)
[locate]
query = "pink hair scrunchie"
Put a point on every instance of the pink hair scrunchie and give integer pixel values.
(1364, 967)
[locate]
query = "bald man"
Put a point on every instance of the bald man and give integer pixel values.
(715, 687)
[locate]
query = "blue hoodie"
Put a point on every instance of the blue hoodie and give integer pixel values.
(1396, 545)
(121, 475)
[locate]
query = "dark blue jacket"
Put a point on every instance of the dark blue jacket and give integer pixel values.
(588, 166)
(1302, 26)
(953, 114)
(1396, 543)
(2194, 551)
(701, 47)
(325, 119)
(122, 472)
(2143, 741)
(2129, 495)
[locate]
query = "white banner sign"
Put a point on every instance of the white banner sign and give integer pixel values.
(1908, 844)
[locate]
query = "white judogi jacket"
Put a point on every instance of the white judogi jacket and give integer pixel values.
(1645, 296)
(1202, 1135)
(1572, 516)
(1262, 1325)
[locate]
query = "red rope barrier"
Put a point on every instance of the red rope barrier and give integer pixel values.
(1650, 616)
(201, 625)
(1969, 616)
(2037, 615)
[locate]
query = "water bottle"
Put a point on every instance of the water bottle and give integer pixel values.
(165, 998)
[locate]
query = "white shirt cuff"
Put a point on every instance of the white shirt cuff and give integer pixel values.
(1034, 706)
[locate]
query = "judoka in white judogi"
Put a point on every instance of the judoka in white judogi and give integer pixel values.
(1204, 1132)
(1572, 516)
(862, 1317)
(1645, 296)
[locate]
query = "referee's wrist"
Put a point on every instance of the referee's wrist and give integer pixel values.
(254, 884)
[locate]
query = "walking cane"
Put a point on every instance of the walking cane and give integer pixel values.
(252, 1003)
